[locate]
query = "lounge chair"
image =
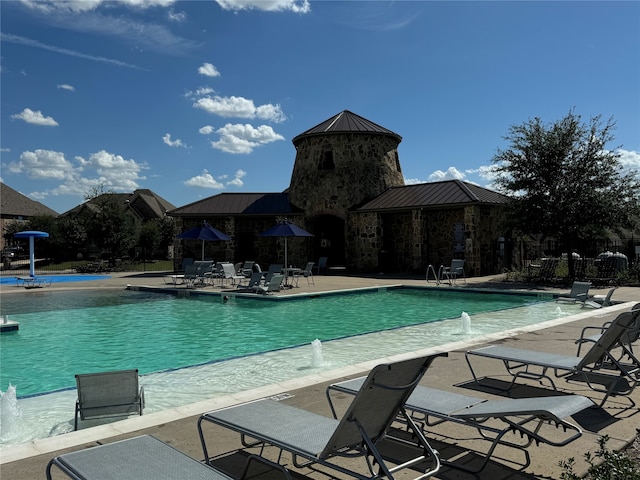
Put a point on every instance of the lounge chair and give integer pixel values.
(108, 394)
(597, 301)
(453, 272)
(229, 273)
(579, 293)
(141, 458)
(252, 283)
(626, 340)
(523, 416)
(598, 368)
(315, 439)
(274, 285)
(247, 268)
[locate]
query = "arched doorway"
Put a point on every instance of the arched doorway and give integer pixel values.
(329, 238)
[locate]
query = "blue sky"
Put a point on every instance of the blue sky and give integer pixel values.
(190, 99)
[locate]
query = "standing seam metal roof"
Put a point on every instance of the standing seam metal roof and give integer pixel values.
(346, 122)
(239, 204)
(436, 194)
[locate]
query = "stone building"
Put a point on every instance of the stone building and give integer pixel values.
(347, 188)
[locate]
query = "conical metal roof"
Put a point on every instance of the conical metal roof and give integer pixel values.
(347, 122)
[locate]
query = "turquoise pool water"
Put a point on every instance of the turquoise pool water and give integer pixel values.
(11, 280)
(63, 333)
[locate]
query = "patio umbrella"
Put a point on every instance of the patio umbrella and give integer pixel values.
(285, 229)
(31, 234)
(205, 233)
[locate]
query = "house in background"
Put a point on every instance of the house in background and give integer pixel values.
(141, 205)
(16, 207)
(348, 190)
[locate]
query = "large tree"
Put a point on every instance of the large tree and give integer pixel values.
(565, 182)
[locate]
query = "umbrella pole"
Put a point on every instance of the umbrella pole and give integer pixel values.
(286, 265)
(203, 250)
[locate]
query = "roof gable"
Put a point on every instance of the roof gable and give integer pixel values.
(15, 204)
(434, 194)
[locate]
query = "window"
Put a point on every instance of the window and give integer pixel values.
(327, 161)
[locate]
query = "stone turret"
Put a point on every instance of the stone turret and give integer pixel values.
(341, 163)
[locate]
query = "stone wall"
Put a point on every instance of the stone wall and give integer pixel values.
(334, 173)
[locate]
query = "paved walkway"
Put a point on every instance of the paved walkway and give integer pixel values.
(618, 419)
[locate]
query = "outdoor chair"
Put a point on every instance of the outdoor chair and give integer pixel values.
(598, 301)
(524, 417)
(307, 273)
(274, 285)
(599, 368)
(579, 293)
(141, 458)
(321, 267)
(453, 272)
(108, 394)
(315, 439)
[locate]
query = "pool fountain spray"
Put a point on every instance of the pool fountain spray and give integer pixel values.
(465, 322)
(316, 354)
(10, 412)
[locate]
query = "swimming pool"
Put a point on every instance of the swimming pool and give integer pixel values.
(64, 333)
(206, 326)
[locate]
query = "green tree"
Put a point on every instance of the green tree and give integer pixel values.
(149, 238)
(564, 182)
(110, 228)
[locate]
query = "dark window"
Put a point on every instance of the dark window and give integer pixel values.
(327, 161)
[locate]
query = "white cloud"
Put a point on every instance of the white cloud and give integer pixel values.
(43, 164)
(413, 181)
(80, 175)
(240, 107)
(206, 130)
(485, 172)
(35, 117)
(172, 143)
(177, 17)
(452, 173)
(237, 180)
(78, 6)
(297, 6)
(64, 86)
(208, 70)
(238, 138)
(63, 51)
(204, 180)
(629, 159)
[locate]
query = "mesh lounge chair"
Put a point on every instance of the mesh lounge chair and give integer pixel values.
(141, 458)
(317, 439)
(108, 394)
(274, 285)
(252, 283)
(229, 273)
(579, 293)
(523, 416)
(625, 343)
(598, 302)
(598, 368)
(453, 272)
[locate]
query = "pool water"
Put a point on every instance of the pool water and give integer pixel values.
(64, 333)
(56, 278)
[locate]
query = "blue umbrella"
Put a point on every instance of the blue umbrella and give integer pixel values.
(31, 234)
(205, 233)
(285, 229)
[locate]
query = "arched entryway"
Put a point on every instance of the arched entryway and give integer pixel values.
(329, 238)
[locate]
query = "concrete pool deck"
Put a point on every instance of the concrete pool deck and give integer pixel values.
(618, 419)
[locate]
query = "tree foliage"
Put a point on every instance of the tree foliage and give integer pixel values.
(565, 182)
